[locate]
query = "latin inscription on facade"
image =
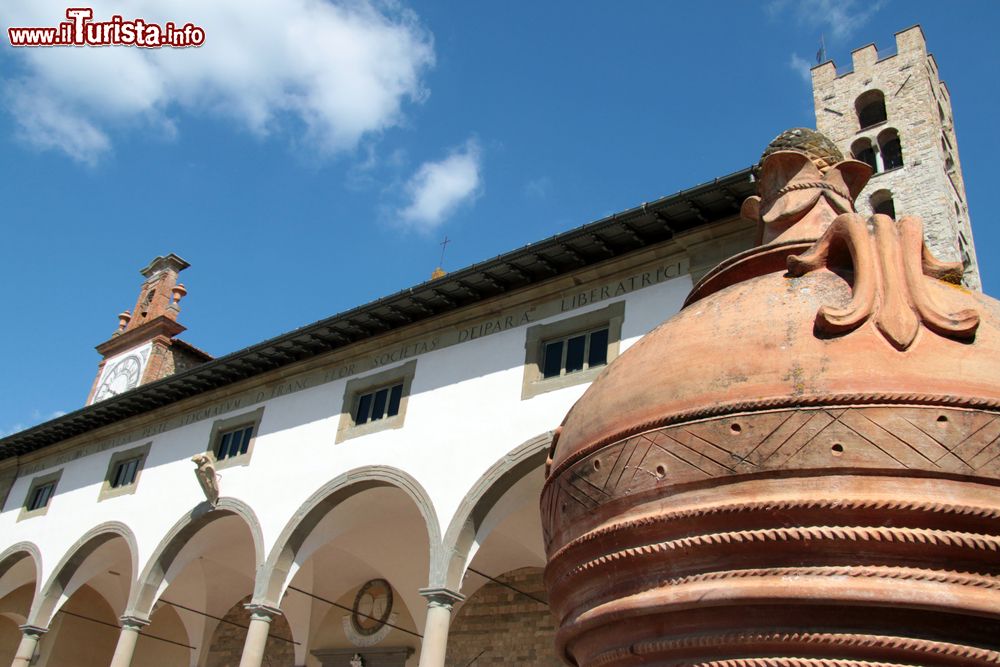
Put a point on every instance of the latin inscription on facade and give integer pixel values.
(503, 321)
(493, 326)
(621, 287)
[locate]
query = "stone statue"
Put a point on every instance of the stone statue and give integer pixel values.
(357, 660)
(207, 477)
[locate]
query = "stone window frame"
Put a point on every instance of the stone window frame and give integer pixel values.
(533, 384)
(857, 152)
(884, 139)
(41, 480)
(354, 389)
(864, 102)
(107, 491)
(220, 426)
(881, 197)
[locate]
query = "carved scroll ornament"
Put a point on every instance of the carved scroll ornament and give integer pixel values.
(893, 272)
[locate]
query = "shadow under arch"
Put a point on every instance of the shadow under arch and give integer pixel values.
(15, 553)
(14, 617)
(144, 593)
(46, 602)
(271, 581)
(478, 502)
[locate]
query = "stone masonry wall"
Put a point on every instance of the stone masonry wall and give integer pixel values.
(497, 626)
(227, 640)
(918, 106)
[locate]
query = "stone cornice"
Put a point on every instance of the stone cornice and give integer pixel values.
(441, 597)
(133, 622)
(161, 326)
(617, 236)
(262, 612)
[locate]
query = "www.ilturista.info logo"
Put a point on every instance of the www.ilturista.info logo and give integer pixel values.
(81, 30)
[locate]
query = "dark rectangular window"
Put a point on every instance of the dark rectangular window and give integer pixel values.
(41, 496)
(892, 154)
(575, 353)
(364, 409)
(125, 472)
(395, 396)
(598, 354)
(575, 347)
(233, 443)
(552, 365)
(379, 404)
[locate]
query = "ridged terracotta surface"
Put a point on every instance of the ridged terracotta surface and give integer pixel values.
(801, 468)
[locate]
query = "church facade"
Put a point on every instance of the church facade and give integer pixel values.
(364, 490)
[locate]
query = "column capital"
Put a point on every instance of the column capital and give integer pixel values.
(441, 597)
(136, 623)
(262, 612)
(33, 630)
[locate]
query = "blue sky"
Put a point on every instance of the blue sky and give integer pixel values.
(311, 156)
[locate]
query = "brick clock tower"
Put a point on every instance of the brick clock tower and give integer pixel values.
(892, 110)
(145, 348)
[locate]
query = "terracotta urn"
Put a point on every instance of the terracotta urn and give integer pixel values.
(802, 467)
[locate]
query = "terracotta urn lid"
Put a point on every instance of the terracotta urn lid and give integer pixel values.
(831, 310)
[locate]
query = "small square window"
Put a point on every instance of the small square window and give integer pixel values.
(232, 440)
(125, 473)
(376, 402)
(39, 497)
(233, 443)
(575, 353)
(572, 350)
(124, 470)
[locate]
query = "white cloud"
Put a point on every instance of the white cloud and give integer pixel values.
(16, 428)
(336, 71)
(801, 67)
(437, 189)
(538, 188)
(43, 122)
(36, 418)
(838, 19)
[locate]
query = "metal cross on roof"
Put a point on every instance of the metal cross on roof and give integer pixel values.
(444, 246)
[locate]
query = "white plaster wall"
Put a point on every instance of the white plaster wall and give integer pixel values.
(465, 412)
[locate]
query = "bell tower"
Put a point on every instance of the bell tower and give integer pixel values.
(891, 110)
(145, 347)
(160, 294)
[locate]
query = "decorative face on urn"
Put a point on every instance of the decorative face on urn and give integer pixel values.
(803, 184)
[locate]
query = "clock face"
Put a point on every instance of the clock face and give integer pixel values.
(124, 375)
(372, 607)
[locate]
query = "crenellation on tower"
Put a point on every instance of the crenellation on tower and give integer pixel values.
(864, 58)
(893, 112)
(824, 74)
(911, 41)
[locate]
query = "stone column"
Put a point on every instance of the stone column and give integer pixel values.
(260, 625)
(29, 642)
(129, 635)
(435, 642)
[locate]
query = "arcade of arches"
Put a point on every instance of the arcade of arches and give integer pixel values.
(210, 596)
